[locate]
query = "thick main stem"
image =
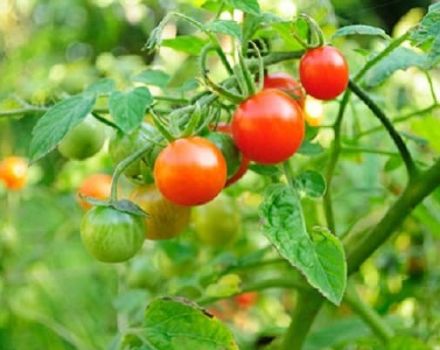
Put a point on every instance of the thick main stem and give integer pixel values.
(307, 307)
(360, 248)
(368, 314)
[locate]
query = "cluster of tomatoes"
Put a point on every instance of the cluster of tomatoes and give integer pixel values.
(13, 173)
(267, 128)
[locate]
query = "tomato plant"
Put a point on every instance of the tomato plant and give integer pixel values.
(13, 172)
(268, 127)
(165, 219)
(218, 222)
(83, 141)
(97, 186)
(190, 171)
(337, 204)
(110, 235)
(324, 72)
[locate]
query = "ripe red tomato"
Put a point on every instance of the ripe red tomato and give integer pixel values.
(246, 300)
(97, 186)
(285, 82)
(13, 172)
(190, 171)
(244, 165)
(268, 127)
(324, 72)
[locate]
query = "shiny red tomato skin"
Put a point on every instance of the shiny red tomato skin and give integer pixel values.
(285, 82)
(268, 127)
(324, 72)
(190, 171)
(244, 165)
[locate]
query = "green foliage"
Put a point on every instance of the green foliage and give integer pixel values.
(311, 183)
(360, 29)
(189, 327)
(57, 122)
(186, 43)
(231, 28)
(128, 108)
(401, 58)
(318, 255)
(153, 77)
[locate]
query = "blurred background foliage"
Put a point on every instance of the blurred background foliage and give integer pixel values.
(54, 296)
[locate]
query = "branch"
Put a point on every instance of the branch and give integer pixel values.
(401, 146)
(307, 306)
(359, 248)
(368, 314)
(260, 285)
(401, 119)
(334, 156)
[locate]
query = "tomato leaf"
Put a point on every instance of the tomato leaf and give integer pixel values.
(248, 6)
(265, 170)
(154, 77)
(102, 86)
(407, 343)
(176, 324)
(228, 27)
(360, 29)
(189, 44)
(311, 183)
(128, 207)
(429, 27)
(56, 123)
(401, 58)
(310, 149)
(319, 255)
(128, 108)
(392, 163)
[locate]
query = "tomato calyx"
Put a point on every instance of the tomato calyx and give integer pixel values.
(122, 205)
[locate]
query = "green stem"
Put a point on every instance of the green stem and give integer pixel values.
(257, 286)
(122, 166)
(359, 248)
(431, 88)
(369, 150)
(401, 146)
(106, 121)
(20, 111)
(391, 46)
(368, 315)
(335, 152)
(307, 307)
(334, 156)
(401, 119)
(217, 88)
(162, 129)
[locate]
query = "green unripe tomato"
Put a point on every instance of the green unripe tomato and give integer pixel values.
(123, 145)
(111, 235)
(143, 274)
(84, 140)
(217, 223)
(231, 153)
